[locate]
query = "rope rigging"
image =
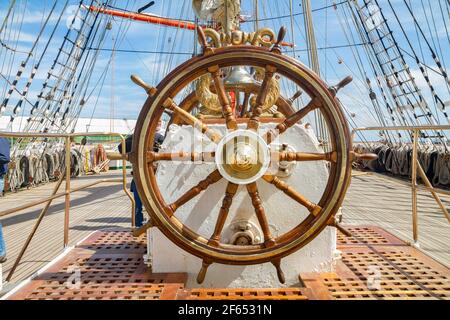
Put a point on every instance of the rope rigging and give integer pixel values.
(24, 64)
(399, 79)
(433, 53)
(438, 100)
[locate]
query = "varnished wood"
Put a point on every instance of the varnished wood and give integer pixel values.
(301, 156)
(181, 156)
(303, 78)
(343, 230)
(223, 214)
(288, 190)
(280, 273)
(260, 214)
(151, 91)
(202, 38)
(292, 120)
(278, 44)
(363, 156)
(193, 121)
(227, 111)
(202, 273)
(142, 230)
(212, 178)
(344, 82)
(191, 101)
(253, 123)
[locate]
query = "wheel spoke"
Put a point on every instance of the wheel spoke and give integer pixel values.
(260, 214)
(287, 189)
(253, 123)
(214, 177)
(193, 121)
(271, 135)
(301, 156)
(223, 214)
(223, 98)
(180, 156)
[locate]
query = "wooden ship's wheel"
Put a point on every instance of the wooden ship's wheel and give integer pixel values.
(248, 162)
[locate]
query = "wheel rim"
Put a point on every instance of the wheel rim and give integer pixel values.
(286, 243)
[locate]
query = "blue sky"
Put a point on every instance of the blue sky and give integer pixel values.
(122, 99)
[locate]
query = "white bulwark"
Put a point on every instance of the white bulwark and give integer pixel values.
(122, 126)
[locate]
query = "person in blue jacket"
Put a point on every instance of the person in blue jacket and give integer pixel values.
(2, 247)
(4, 160)
(139, 216)
(158, 141)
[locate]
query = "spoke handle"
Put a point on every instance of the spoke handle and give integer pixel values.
(181, 156)
(289, 191)
(343, 83)
(291, 120)
(301, 156)
(260, 214)
(223, 214)
(297, 95)
(363, 156)
(214, 177)
(253, 123)
(193, 121)
(223, 98)
(151, 91)
(202, 39)
(281, 35)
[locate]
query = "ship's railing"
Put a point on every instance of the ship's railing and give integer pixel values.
(416, 170)
(68, 190)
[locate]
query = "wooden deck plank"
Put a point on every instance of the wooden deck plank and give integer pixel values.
(99, 207)
(386, 202)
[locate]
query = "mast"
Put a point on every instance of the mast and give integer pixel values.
(226, 28)
(313, 59)
(256, 4)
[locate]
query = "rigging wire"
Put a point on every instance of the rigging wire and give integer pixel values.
(437, 99)
(433, 54)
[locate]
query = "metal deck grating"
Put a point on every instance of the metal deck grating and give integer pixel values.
(110, 264)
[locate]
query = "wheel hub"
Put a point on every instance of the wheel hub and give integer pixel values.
(242, 157)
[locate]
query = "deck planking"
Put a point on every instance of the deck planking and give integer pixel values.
(102, 206)
(385, 201)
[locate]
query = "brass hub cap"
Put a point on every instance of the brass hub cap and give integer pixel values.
(242, 157)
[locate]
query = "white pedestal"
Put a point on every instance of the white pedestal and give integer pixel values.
(283, 213)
